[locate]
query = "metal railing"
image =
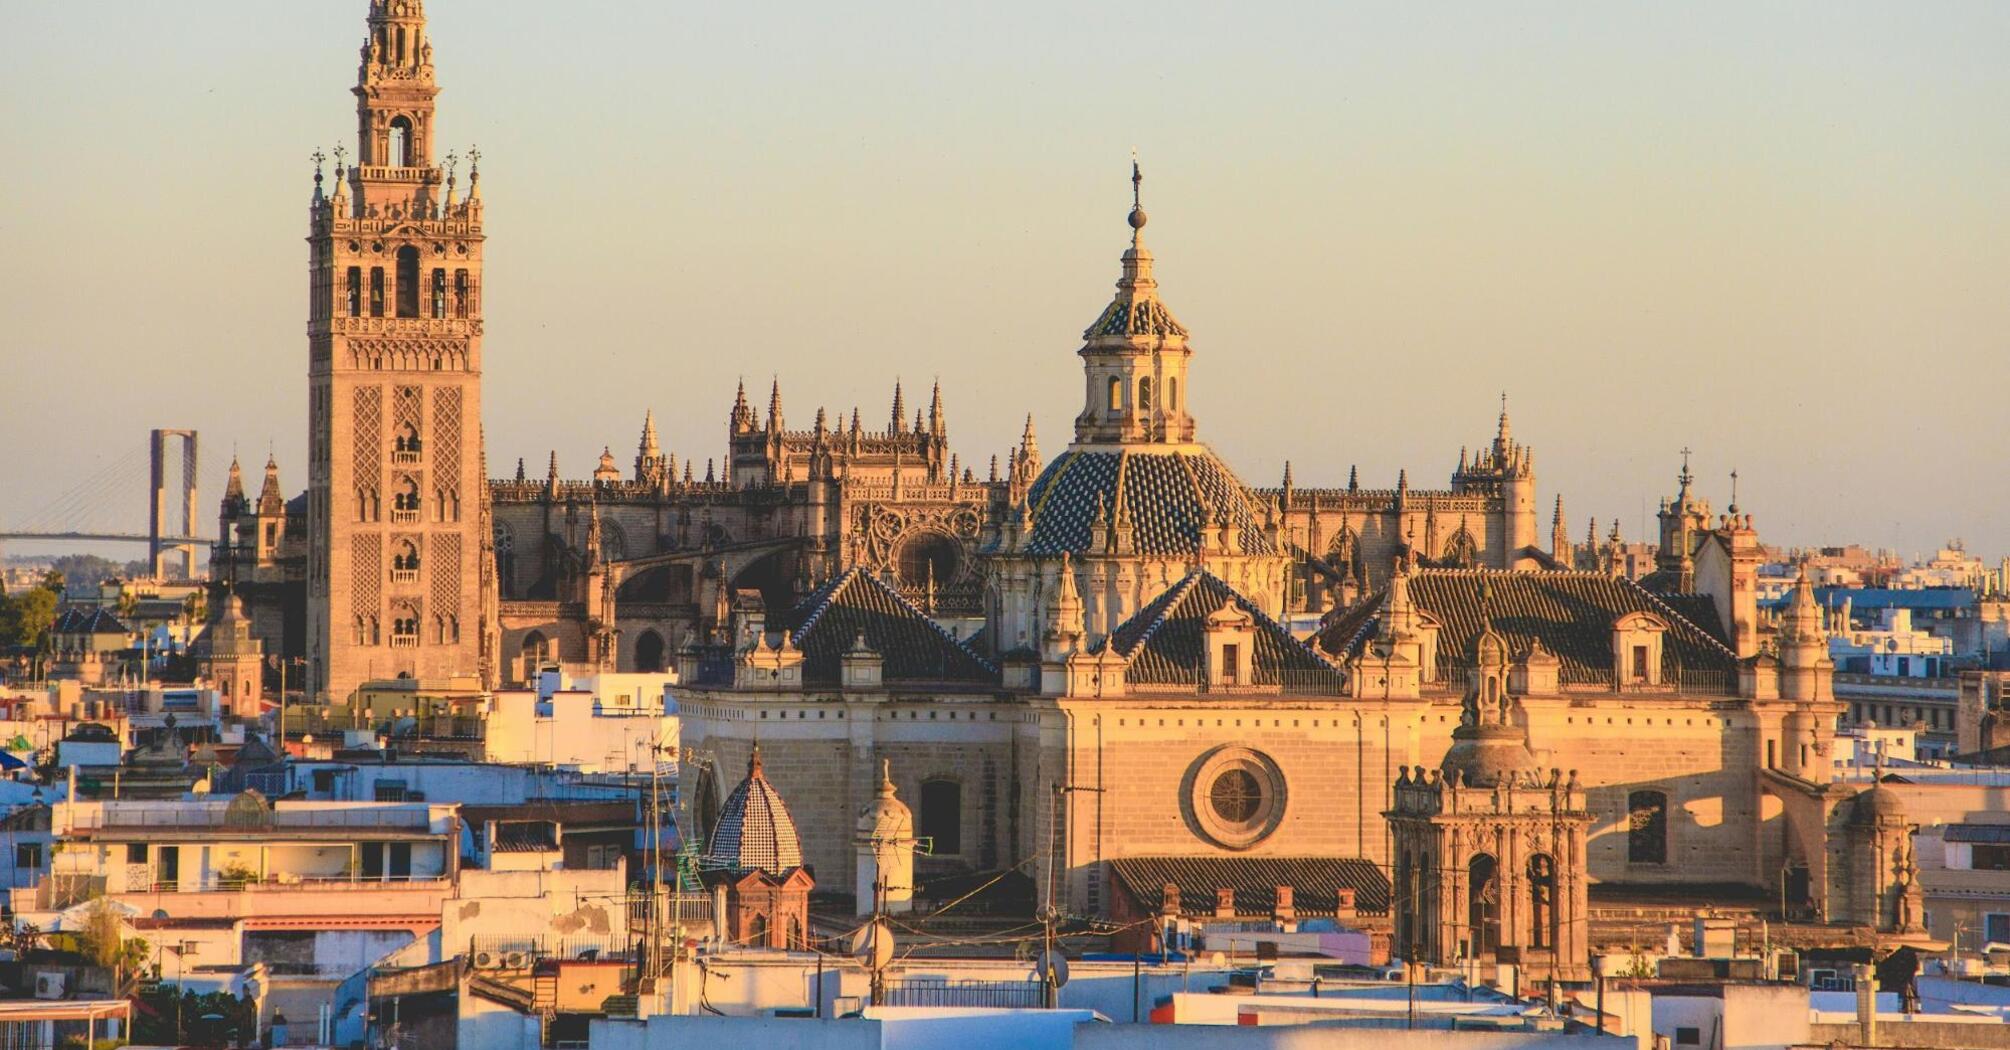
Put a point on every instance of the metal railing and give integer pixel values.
(939, 991)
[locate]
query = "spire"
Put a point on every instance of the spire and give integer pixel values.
(1559, 537)
(1029, 445)
(775, 406)
(551, 472)
(742, 419)
(270, 501)
(519, 470)
(233, 489)
(1287, 475)
(1503, 437)
(938, 424)
(648, 446)
(1353, 478)
(899, 411)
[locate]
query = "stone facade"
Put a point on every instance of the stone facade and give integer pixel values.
(397, 556)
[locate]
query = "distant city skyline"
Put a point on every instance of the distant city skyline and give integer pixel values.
(1775, 236)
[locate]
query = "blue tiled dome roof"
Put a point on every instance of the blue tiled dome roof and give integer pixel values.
(1170, 496)
(755, 831)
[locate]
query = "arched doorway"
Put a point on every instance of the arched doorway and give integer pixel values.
(649, 652)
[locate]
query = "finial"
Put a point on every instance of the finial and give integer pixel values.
(341, 152)
(474, 171)
(1734, 491)
(1137, 196)
(318, 158)
(1685, 476)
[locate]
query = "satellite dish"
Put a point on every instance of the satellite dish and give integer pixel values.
(872, 944)
(1051, 960)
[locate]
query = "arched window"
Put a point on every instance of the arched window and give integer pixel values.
(362, 636)
(408, 281)
(355, 291)
(405, 627)
(942, 816)
(1483, 904)
(649, 653)
(460, 293)
(1116, 395)
(1541, 900)
(1145, 394)
(757, 931)
(407, 439)
(376, 291)
(406, 558)
(439, 293)
(1647, 827)
(929, 557)
(401, 138)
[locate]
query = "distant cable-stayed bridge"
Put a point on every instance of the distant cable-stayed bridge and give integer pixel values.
(99, 508)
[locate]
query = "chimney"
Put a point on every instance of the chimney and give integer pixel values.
(1285, 914)
(1343, 903)
(1224, 903)
(1169, 901)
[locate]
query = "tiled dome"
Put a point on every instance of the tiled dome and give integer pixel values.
(1169, 497)
(755, 830)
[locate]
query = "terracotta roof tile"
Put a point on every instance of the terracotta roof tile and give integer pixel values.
(1315, 882)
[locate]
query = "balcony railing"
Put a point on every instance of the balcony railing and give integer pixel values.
(404, 575)
(404, 517)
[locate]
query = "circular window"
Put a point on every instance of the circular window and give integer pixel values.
(1235, 797)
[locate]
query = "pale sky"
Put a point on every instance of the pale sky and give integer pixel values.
(1776, 233)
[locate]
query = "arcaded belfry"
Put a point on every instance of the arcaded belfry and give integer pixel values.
(1490, 851)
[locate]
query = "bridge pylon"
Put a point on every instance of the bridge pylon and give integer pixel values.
(158, 548)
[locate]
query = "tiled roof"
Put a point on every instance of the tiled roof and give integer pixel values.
(88, 621)
(1315, 882)
(755, 831)
(1571, 612)
(1170, 497)
(1164, 642)
(857, 603)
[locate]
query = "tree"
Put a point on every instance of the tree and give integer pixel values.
(31, 616)
(25, 620)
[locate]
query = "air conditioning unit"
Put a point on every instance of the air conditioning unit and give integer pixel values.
(488, 960)
(49, 985)
(516, 961)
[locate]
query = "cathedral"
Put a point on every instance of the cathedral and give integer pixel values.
(1121, 670)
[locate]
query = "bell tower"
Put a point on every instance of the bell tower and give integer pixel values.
(397, 508)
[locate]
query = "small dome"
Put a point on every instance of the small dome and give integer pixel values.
(1879, 805)
(755, 831)
(1483, 756)
(886, 817)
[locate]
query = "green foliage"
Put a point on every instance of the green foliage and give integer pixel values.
(25, 618)
(104, 942)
